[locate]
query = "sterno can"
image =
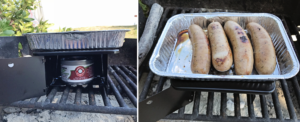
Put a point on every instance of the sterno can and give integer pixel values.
(77, 70)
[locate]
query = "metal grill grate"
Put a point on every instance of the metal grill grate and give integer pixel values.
(181, 115)
(127, 90)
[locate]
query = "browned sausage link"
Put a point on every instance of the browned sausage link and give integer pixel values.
(264, 51)
(242, 48)
(221, 51)
(201, 58)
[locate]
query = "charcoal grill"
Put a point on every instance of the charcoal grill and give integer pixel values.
(29, 78)
(171, 99)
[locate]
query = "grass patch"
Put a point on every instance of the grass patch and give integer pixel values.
(144, 7)
(130, 34)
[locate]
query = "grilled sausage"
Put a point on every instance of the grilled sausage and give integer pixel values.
(242, 48)
(201, 58)
(201, 21)
(221, 52)
(264, 51)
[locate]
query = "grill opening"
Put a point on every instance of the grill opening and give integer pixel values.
(281, 105)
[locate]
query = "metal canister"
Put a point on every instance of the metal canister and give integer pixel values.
(77, 70)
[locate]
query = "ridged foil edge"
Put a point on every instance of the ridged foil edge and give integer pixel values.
(76, 40)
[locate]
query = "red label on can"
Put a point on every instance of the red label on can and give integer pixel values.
(81, 73)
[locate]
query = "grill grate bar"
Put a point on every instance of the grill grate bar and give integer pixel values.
(64, 97)
(181, 112)
(127, 71)
(182, 11)
(288, 100)
(223, 105)
(237, 109)
(78, 96)
(124, 87)
(78, 108)
(298, 39)
(250, 99)
(118, 87)
(174, 11)
(210, 103)
(160, 84)
(92, 98)
(129, 81)
(289, 33)
(33, 100)
(105, 97)
(51, 95)
(121, 83)
(116, 92)
(163, 20)
(196, 104)
(296, 29)
(227, 119)
(200, 10)
(264, 108)
(277, 105)
(146, 86)
(297, 88)
(192, 10)
(132, 69)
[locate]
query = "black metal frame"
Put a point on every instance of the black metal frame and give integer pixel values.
(53, 60)
(170, 11)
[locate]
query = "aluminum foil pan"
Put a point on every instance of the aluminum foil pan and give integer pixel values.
(76, 40)
(172, 58)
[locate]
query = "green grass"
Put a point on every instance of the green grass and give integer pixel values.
(130, 34)
(144, 7)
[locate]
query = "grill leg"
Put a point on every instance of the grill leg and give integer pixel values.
(163, 103)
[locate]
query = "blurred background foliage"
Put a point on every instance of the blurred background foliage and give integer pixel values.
(15, 21)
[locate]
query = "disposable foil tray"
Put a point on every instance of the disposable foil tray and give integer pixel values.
(76, 40)
(173, 59)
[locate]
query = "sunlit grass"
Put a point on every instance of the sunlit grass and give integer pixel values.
(130, 34)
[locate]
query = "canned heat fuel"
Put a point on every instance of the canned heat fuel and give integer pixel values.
(77, 72)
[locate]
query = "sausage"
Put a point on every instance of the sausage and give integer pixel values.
(242, 48)
(222, 20)
(201, 57)
(201, 21)
(221, 52)
(264, 51)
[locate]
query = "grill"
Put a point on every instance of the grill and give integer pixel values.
(114, 78)
(289, 87)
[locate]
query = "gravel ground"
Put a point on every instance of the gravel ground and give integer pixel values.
(38, 115)
(13, 114)
(230, 102)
